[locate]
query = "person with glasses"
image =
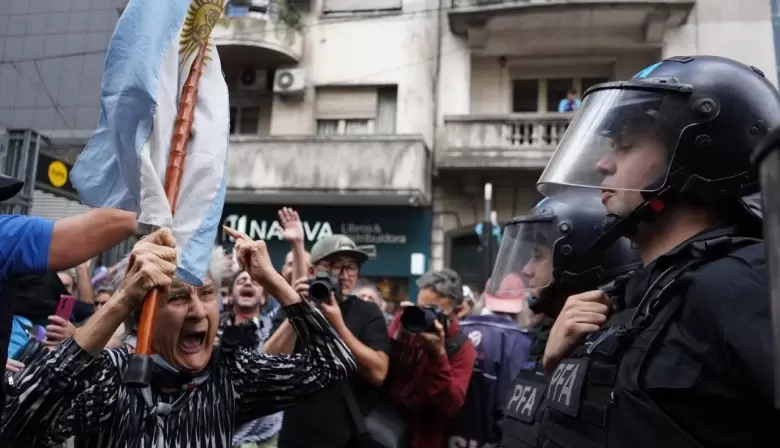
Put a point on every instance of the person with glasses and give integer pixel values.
(329, 419)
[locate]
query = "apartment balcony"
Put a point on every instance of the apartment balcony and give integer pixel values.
(501, 142)
(268, 33)
(344, 170)
(533, 27)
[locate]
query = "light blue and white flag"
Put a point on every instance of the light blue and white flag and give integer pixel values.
(124, 164)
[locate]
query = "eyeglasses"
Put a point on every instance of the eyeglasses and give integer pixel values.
(337, 269)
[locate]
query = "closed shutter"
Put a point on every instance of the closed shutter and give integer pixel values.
(49, 206)
(334, 103)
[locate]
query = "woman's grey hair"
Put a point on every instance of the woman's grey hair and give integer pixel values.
(445, 282)
(365, 284)
(218, 267)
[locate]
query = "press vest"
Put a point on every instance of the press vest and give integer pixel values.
(595, 393)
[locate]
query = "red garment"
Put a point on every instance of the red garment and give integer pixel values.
(432, 390)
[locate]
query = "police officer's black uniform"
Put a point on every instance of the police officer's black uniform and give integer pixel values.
(688, 362)
(567, 231)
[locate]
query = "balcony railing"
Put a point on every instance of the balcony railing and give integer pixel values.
(511, 141)
(274, 26)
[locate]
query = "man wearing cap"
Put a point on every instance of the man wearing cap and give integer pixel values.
(502, 347)
(30, 245)
(327, 420)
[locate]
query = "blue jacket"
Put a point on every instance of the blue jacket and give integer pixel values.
(502, 348)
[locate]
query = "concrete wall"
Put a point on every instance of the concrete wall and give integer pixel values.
(61, 93)
(389, 49)
(741, 30)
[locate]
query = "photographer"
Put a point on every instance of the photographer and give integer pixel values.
(432, 361)
(325, 420)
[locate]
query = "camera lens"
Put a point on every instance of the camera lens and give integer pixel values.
(319, 291)
(416, 320)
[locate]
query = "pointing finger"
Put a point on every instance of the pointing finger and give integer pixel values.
(236, 234)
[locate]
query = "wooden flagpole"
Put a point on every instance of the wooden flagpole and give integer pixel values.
(140, 369)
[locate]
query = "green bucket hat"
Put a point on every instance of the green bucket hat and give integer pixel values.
(337, 245)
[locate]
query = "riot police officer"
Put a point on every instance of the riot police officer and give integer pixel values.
(545, 256)
(688, 362)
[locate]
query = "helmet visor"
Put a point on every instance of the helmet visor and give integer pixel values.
(622, 138)
(524, 260)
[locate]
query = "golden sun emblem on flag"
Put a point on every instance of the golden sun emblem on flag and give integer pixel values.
(201, 18)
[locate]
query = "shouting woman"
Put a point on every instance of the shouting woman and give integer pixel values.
(199, 393)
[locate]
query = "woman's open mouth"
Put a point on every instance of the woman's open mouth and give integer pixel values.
(192, 342)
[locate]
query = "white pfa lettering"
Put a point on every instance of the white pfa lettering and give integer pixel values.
(523, 400)
(562, 383)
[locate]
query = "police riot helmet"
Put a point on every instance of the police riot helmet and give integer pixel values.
(683, 128)
(546, 253)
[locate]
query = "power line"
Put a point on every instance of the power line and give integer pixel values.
(325, 21)
(46, 91)
(53, 102)
(56, 56)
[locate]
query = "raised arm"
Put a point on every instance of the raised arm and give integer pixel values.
(267, 383)
(76, 239)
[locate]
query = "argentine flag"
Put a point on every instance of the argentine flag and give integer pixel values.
(124, 164)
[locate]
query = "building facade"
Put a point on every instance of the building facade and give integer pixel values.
(386, 117)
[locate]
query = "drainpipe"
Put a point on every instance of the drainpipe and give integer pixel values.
(435, 84)
(775, 17)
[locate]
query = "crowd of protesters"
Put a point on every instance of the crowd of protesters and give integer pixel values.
(241, 360)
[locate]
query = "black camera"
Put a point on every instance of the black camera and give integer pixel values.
(322, 285)
(420, 319)
(243, 335)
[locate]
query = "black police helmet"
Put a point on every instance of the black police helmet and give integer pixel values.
(567, 226)
(697, 119)
(732, 106)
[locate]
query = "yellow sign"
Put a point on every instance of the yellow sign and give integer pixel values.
(58, 173)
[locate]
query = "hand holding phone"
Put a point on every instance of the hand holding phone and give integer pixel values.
(65, 306)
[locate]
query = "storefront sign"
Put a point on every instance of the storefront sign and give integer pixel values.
(396, 232)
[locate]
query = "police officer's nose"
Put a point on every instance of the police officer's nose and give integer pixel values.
(606, 165)
(528, 270)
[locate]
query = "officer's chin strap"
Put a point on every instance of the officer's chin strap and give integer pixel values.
(665, 192)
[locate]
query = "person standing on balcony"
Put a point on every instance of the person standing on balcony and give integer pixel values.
(571, 103)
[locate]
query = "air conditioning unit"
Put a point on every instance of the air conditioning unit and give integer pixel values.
(253, 80)
(289, 81)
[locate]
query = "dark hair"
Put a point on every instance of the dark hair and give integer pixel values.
(37, 296)
(571, 91)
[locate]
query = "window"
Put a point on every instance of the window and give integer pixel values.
(241, 8)
(544, 95)
(356, 110)
(556, 91)
(360, 6)
(244, 120)
(525, 95)
(587, 83)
